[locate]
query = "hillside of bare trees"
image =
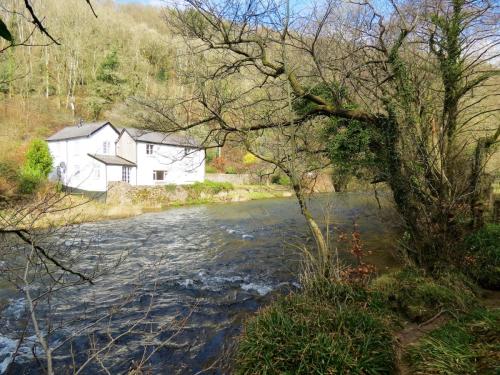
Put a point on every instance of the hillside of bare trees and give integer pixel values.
(99, 62)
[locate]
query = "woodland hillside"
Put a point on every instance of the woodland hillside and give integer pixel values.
(99, 67)
(396, 94)
(126, 51)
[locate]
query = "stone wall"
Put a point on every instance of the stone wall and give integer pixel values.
(315, 182)
(235, 179)
(123, 194)
(318, 183)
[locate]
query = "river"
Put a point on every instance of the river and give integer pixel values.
(198, 270)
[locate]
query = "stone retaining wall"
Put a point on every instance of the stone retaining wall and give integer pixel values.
(315, 182)
(235, 179)
(123, 194)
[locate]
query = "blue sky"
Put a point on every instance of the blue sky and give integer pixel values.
(146, 2)
(164, 2)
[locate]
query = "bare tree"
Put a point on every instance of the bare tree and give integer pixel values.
(48, 263)
(420, 75)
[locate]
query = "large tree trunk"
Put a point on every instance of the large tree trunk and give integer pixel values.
(319, 238)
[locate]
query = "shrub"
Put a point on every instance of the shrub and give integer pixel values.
(419, 297)
(284, 180)
(30, 180)
(249, 159)
(219, 163)
(280, 180)
(211, 187)
(468, 345)
(231, 170)
(36, 168)
(210, 169)
(210, 155)
(482, 256)
(300, 334)
(38, 158)
(170, 188)
(323, 289)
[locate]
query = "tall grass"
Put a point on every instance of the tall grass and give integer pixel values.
(482, 256)
(210, 187)
(417, 297)
(331, 326)
(311, 334)
(468, 345)
(343, 319)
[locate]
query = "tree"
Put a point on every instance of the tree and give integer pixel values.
(418, 76)
(43, 262)
(34, 258)
(36, 168)
(38, 157)
(38, 25)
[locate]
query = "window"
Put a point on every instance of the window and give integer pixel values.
(106, 149)
(126, 174)
(159, 175)
(97, 172)
(149, 149)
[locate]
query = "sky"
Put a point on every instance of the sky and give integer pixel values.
(145, 2)
(173, 2)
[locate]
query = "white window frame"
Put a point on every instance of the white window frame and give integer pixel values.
(106, 147)
(149, 148)
(126, 174)
(155, 175)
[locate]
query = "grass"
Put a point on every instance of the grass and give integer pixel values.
(210, 169)
(313, 333)
(74, 209)
(170, 188)
(339, 328)
(254, 195)
(210, 187)
(418, 297)
(482, 256)
(469, 345)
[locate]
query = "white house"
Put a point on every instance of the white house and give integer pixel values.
(89, 156)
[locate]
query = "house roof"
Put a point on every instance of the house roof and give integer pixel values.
(142, 135)
(139, 135)
(79, 131)
(112, 160)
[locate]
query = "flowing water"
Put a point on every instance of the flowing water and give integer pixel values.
(198, 271)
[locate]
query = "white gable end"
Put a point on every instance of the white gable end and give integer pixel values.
(88, 157)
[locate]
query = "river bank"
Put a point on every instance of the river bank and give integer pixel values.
(407, 321)
(123, 201)
(213, 264)
(404, 322)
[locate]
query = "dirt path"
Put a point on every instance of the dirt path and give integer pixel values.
(491, 298)
(411, 334)
(414, 332)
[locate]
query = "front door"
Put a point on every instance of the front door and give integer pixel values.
(126, 174)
